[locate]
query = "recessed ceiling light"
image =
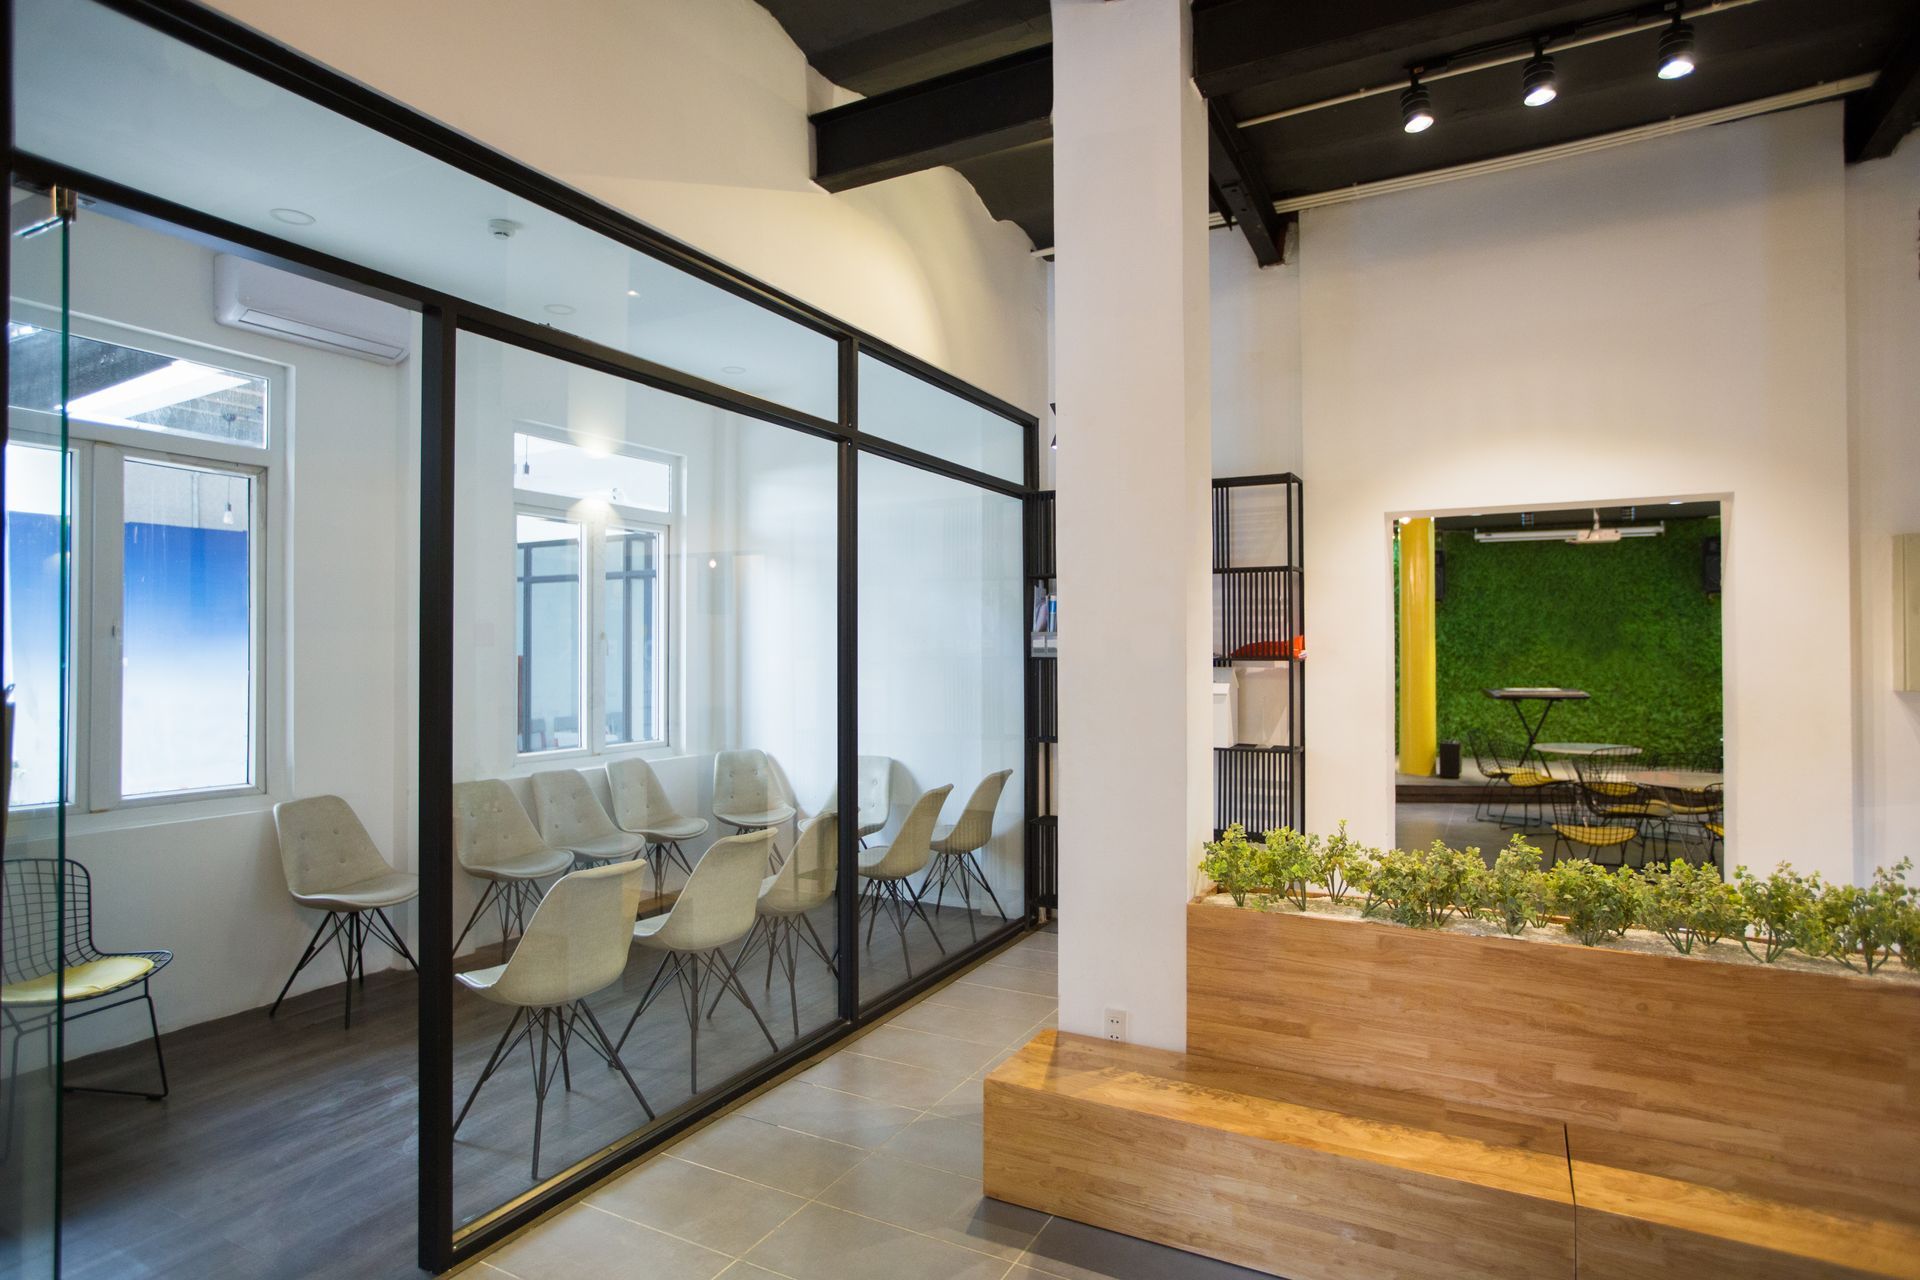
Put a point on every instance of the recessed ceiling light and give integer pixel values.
(294, 217)
(633, 293)
(559, 309)
(1674, 502)
(733, 368)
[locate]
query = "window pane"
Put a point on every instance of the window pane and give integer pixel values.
(33, 620)
(632, 627)
(125, 387)
(547, 633)
(895, 405)
(186, 654)
(544, 465)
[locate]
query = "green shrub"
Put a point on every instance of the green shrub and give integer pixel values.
(1231, 863)
(1777, 909)
(1598, 903)
(1846, 922)
(1516, 888)
(1422, 888)
(1337, 863)
(1686, 904)
(1289, 862)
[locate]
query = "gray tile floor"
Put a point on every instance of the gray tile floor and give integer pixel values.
(1418, 825)
(864, 1167)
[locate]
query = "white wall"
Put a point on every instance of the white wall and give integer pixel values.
(692, 117)
(1883, 332)
(204, 879)
(1255, 325)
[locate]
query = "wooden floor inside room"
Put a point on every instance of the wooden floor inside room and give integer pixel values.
(289, 1147)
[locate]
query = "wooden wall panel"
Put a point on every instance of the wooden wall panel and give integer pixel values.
(1238, 1166)
(1810, 1081)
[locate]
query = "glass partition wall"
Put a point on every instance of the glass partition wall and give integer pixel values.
(709, 608)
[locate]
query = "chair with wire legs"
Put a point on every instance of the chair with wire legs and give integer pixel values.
(748, 797)
(1616, 792)
(1694, 799)
(955, 850)
(1490, 769)
(332, 865)
(805, 882)
(571, 818)
(876, 797)
(496, 842)
(1531, 785)
(641, 808)
(576, 945)
(1580, 824)
(54, 973)
(886, 870)
(716, 908)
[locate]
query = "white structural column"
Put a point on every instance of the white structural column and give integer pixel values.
(1130, 340)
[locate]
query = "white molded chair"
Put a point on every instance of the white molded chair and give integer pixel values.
(640, 806)
(888, 868)
(746, 795)
(332, 866)
(876, 797)
(576, 944)
(496, 842)
(716, 908)
(805, 881)
(572, 819)
(954, 848)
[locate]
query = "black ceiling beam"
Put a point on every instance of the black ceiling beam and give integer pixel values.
(1239, 191)
(978, 111)
(1878, 117)
(1241, 44)
(946, 40)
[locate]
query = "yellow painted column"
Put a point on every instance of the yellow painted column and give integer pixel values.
(1418, 708)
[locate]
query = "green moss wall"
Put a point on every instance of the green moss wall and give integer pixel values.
(1628, 622)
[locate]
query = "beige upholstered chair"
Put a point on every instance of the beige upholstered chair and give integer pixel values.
(805, 881)
(876, 797)
(640, 806)
(954, 848)
(887, 868)
(716, 908)
(576, 944)
(572, 819)
(496, 842)
(746, 795)
(332, 866)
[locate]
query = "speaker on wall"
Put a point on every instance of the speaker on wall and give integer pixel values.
(1710, 564)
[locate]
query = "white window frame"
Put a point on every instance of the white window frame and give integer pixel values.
(594, 519)
(96, 597)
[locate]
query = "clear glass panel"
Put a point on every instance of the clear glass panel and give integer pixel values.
(125, 387)
(188, 621)
(547, 632)
(102, 93)
(35, 727)
(897, 406)
(711, 639)
(943, 626)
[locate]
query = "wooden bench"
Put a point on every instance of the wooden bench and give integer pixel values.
(1711, 1119)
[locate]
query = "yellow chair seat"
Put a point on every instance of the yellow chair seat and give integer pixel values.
(82, 981)
(1596, 837)
(1718, 829)
(1612, 788)
(1528, 778)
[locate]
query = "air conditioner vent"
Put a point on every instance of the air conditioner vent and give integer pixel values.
(261, 299)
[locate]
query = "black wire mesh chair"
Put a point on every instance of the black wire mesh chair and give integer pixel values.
(1617, 791)
(1695, 800)
(52, 969)
(1489, 769)
(1581, 821)
(1532, 786)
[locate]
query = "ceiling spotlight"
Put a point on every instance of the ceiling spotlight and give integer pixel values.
(633, 293)
(1537, 84)
(1416, 107)
(293, 217)
(733, 370)
(1676, 49)
(558, 309)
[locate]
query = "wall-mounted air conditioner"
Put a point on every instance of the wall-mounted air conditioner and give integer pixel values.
(261, 299)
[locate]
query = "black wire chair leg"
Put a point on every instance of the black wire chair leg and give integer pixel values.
(729, 977)
(314, 947)
(500, 1049)
(669, 959)
(487, 896)
(820, 948)
(980, 874)
(604, 1047)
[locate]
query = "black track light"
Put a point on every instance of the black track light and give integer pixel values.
(1416, 107)
(1676, 49)
(1538, 86)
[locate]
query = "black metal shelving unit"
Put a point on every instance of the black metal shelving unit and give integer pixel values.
(1043, 712)
(1259, 614)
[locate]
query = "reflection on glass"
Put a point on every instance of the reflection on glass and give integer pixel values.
(33, 620)
(897, 406)
(108, 96)
(124, 387)
(691, 618)
(942, 625)
(547, 632)
(186, 653)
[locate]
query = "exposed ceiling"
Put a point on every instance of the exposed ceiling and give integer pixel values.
(1257, 57)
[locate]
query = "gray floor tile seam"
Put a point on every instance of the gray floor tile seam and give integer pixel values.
(648, 1226)
(855, 1213)
(924, 1032)
(740, 1265)
(849, 1093)
(934, 998)
(973, 980)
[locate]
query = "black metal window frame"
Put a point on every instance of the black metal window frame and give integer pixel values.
(443, 318)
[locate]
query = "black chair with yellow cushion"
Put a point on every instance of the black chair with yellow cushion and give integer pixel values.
(52, 969)
(1581, 821)
(1615, 780)
(1526, 780)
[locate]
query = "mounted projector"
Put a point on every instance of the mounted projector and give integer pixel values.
(1594, 537)
(261, 299)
